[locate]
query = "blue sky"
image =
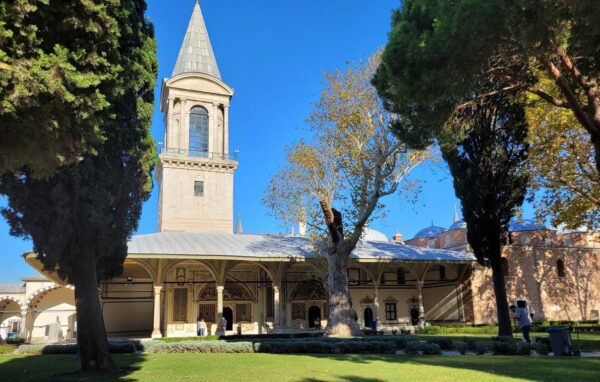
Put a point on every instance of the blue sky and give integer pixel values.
(273, 53)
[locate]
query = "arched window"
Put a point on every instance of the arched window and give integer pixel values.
(505, 267)
(198, 132)
(560, 268)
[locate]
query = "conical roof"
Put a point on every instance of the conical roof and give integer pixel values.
(196, 54)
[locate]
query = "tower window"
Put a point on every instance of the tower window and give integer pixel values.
(198, 132)
(198, 188)
(560, 268)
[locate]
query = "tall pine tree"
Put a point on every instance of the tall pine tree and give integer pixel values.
(488, 164)
(81, 218)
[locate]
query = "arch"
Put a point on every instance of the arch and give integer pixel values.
(368, 316)
(228, 315)
(13, 299)
(560, 268)
(171, 264)
(199, 135)
(48, 313)
(146, 266)
(314, 317)
(309, 290)
(39, 293)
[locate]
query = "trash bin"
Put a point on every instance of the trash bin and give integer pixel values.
(560, 340)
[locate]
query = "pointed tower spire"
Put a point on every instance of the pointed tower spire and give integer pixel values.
(196, 54)
(238, 228)
(455, 214)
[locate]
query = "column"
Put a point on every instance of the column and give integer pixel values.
(212, 128)
(421, 306)
(376, 302)
(24, 323)
(169, 127)
(225, 130)
(156, 326)
(276, 307)
(220, 328)
(184, 127)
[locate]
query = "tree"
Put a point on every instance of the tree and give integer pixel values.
(439, 51)
(352, 162)
(81, 217)
(57, 59)
(565, 184)
(488, 162)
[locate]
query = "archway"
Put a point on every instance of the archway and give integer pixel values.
(10, 317)
(314, 317)
(228, 314)
(368, 317)
(414, 315)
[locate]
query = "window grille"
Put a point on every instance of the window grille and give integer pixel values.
(198, 188)
(390, 311)
(180, 298)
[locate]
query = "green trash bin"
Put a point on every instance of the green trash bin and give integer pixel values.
(560, 340)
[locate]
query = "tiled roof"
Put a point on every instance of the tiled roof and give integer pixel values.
(258, 247)
(12, 288)
(196, 54)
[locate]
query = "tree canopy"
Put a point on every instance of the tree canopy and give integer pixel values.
(81, 217)
(439, 51)
(59, 62)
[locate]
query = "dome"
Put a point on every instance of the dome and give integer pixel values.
(373, 235)
(429, 232)
(524, 225)
(460, 224)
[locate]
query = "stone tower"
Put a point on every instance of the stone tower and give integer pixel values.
(195, 173)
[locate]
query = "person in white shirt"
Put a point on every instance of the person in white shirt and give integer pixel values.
(523, 321)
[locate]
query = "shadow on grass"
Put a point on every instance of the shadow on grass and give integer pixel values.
(542, 369)
(350, 378)
(37, 368)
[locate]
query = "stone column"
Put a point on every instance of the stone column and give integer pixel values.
(184, 127)
(376, 302)
(156, 326)
(220, 328)
(212, 128)
(225, 130)
(276, 307)
(169, 127)
(24, 323)
(421, 306)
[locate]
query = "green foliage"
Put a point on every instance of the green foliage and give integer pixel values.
(199, 347)
(414, 347)
(504, 347)
(431, 349)
(453, 329)
(114, 347)
(7, 349)
(462, 347)
(181, 339)
(15, 340)
(523, 348)
(325, 347)
(63, 64)
(444, 343)
(481, 348)
(91, 207)
(439, 52)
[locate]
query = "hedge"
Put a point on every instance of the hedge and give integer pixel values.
(326, 347)
(181, 339)
(250, 337)
(114, 347)
(198, 347)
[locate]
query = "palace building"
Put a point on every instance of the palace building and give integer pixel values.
(196, 266)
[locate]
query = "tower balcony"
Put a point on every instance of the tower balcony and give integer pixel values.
(169, 151)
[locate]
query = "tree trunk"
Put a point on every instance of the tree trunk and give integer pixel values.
(504, 324)
(341, 320)
(91, 335)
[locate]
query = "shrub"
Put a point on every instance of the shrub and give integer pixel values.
(414, 347)
(443, 342)
(471, 343)
(199, 347)
(431, 349)
(15, 341)
(523, 348)
(542, 348)
(181, 339)
(481, 348)
(326, 346)
(504, 348)
(259, 337)
(29, 349)
(462, 347)
(114, 347)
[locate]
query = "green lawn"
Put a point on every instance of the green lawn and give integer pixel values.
(587, 341)
(311, 368)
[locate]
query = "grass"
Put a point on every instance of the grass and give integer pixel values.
(310, 368)
(587, 341)
(6, 349)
